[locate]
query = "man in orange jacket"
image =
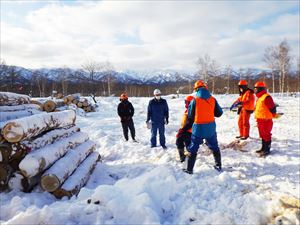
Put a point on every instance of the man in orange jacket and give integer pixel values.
(183, 136)
(265, 111)
(201, 117)
(245, 104)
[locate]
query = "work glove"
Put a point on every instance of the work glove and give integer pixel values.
(179, 133)
(276, 115)
(167, 121)
(234, 105)
(149, 125)
(187, 153)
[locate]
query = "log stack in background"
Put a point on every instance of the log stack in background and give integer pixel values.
(80, 102)
(45, 148)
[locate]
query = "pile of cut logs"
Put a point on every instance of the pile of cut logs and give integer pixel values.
(80, 102)
(43, 148)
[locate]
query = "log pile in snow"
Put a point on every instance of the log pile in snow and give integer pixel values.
(51, 105)
(80, 102)
(44, 148)
(9, 99)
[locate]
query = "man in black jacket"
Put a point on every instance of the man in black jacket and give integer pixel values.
(126, 112)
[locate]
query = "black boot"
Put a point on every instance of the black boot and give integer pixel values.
(262, 147)
(181, 154)
(191, 163)
(217, 157)
(266, 149)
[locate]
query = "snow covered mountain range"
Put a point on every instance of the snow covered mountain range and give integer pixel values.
(123, 77)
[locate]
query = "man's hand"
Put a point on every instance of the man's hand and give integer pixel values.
(234, 105)
(187, 153)
(167, 121)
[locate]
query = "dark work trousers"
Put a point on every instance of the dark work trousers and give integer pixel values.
(128, 124)
(184, 140)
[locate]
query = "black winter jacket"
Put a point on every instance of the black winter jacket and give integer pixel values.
(125, 111)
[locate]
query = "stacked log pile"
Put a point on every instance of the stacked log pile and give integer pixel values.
(46, 149)
(51, 105)
(80, 102)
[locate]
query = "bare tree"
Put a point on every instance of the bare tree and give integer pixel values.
(108, 69)
(284, 61)
(204, 65)
(91, 67)
(215, 70)
(64, 78)
(270, 58)
(228, 75)
(298, 74)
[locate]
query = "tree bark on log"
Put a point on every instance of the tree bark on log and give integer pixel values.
(45, 139)
(41, 159)
(58, 173)
(79, 178)
(5, 152)
(19, 107)
(28, 127)
(21, 183)
(12, 115)
(9, 98)
(5, 174)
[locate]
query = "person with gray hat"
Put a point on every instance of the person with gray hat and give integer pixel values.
(158, 114)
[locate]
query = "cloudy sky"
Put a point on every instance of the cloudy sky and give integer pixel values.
(142, 35)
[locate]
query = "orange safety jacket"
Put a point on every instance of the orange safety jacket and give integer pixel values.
(204, 110)
(247, 100)
(183, 121)
(261, 110)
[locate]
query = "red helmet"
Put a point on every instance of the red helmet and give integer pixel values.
(199, 83)
(259, 84)
(123, 96)
(243, 83)
(189, 98)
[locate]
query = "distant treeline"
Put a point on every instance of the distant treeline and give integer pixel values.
(39, 85)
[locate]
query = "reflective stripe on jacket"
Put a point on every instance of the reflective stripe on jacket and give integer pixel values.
(204, 111)
(261, 110)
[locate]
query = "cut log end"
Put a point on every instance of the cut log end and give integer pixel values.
(49, 106)
(50, 183)
(12, 132)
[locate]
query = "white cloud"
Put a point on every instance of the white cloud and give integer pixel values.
(168, 34)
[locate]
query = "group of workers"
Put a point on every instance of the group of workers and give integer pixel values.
(198, 122)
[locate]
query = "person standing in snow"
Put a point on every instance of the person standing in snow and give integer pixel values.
(265, 111)
(245, 104)
(183, 136)
(126, 112)
(201, 115)
(158, 114)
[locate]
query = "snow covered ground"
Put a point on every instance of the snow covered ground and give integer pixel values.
(136, 184)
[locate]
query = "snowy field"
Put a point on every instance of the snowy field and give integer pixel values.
(136, 184)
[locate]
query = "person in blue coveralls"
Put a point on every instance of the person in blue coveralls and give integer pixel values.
(158, 114)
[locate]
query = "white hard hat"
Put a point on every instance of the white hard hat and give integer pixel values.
(156, 92)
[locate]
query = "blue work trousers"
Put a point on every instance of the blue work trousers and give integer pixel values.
(161, 130)
(211, 142)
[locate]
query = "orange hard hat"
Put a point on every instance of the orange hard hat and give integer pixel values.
(189, 98)
(259, 84)
(243, 83)
(199, 83)
(123, 96)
